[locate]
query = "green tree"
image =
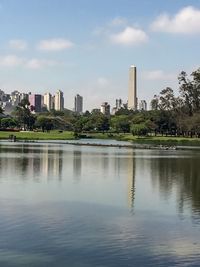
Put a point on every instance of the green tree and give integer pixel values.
(139, 129)
(155, 103)
(57, 113)
(23, 115)
(8, 123)
(45, 123)
(167, 99)
(120, 123)
(190, 91)
(102, 123)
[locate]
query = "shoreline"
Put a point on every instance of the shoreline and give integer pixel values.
(117, 145)
(116, 140)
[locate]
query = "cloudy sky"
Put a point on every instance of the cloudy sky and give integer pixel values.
(87, 46)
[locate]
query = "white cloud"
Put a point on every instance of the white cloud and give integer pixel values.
(115, 23)
(118, 21)
(158, 75)
(18, 44)
(129, 36)
(35, 63)
(55, 44)
(11, 61)
(119, 31)
(186, 21)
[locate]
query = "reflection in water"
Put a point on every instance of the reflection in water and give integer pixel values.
(77, 164)
(105, 163)
(47, 219)
(52, 163)
(175, 173)
(131, 180)
(23, 162)
(31, 161)
(180, 174)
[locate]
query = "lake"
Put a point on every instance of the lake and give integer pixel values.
(82, 206)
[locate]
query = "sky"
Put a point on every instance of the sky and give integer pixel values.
(87, 46)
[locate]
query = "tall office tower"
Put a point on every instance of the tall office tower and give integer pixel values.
(117, 107)
(48, 101)
(78, 104)
(132, 88)
(118, 103)
(143, 105)
(59, 101)
(15, 98)
(23, 96)
(35, 102)
(105, 108)
(1, 94)
(53, 102)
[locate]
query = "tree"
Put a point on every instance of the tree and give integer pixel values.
(190, 91)
(45, 123)
(120, 123)
(102, 123)
(124, 111)
(154, 103)
(8, 123)
(87, 113)
(139, 129)
(167, 99)
(196, 89)
(23, 115)
(56, 112)
(123, 126)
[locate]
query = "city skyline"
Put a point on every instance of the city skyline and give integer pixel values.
(56, 102)
(45, 53)
(38, 102)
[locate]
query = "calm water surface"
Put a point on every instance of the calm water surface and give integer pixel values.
(65, 205)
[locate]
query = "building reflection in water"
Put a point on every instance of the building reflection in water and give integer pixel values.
(52, 163)
(31, 161)
(105, 163)
(77, 164)
(175, 174)
(131, 180)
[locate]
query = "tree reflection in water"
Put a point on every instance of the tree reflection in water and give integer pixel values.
(180, 173)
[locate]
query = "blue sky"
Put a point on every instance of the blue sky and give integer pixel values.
(87, 46)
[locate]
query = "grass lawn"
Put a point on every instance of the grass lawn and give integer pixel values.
(162, 140)
(53, 135)
(157, 140)
(66, 135)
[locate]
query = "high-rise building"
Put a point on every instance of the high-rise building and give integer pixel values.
(117, 107)
(78, 104)
(105, 108)
(132, 88)
(35, 102)
(23, 96)
(15, 98)
(143, 105)
(118, 103)
(53, 102)
(59, 101)
(48, 101)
